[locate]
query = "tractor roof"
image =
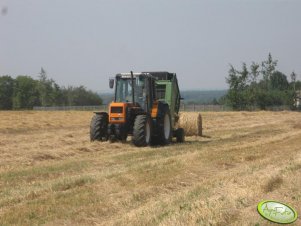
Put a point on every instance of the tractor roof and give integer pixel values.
(160, 75)
(129, 74)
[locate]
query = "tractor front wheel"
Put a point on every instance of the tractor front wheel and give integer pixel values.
(142, 131)
(99, 127)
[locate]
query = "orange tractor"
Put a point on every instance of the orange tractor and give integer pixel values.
(146, 106)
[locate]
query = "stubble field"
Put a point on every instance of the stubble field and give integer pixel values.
(51, 174)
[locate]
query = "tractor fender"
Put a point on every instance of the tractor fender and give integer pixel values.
(101, 113)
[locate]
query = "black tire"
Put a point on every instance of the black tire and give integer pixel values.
(99, 127)
(142, 131)
(123, 134)
(165, 128)
(180, 135)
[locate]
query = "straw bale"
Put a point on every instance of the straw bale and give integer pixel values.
(191, 122)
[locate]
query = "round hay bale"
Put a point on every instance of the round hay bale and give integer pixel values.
(191, 122)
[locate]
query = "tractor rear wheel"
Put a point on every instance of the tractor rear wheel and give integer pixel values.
(165, 128)
(99, 127)
(142, 131)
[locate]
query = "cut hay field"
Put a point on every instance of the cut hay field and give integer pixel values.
(51, 174)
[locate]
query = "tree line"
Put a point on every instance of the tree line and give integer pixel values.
(261, 86)
(24, 92)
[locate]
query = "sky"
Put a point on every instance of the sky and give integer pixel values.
(85, 43)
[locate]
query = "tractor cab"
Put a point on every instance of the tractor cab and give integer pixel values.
(136, 89)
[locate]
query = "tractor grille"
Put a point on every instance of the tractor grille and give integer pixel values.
(116, 109)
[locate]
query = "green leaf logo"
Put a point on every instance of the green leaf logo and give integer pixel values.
(277, 212)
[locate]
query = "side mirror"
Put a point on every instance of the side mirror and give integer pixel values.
(111, 83)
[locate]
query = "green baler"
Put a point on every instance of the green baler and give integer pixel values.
(167, 89)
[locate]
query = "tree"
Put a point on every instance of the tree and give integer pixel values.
(246, 89)
(237, 81)
(57, 95)
(254, 72)
(253, 78)
(79, 96)
(298, 85)
(26, 94)
(232, 95)
(6, 92)
(244, 74)
(268, 68)
(42, 87)
(293, 78)
(279, 81)
(232, 79)
(46, 88)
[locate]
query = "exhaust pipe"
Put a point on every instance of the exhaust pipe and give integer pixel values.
(133, 90)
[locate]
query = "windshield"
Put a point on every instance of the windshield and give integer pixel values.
(124, 90)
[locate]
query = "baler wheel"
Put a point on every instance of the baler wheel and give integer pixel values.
(180, 135)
